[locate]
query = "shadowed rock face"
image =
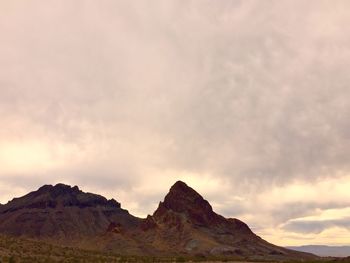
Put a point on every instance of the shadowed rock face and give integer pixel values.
(183, 224)
(183, 199)
(187, 203)
(63, 213)
(60, 195)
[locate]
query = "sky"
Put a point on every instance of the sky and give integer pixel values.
(248, 102)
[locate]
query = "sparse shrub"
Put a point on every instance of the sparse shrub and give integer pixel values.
(180, 259)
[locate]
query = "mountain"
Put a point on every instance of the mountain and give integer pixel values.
(324, 251)
(183, 224)
(62, 213)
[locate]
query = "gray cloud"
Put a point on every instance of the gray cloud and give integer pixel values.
(290, 210)
(253, 93)
(234, 91)
(316, 226)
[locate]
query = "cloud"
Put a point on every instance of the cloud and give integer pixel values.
(112, 95)
(316, 226)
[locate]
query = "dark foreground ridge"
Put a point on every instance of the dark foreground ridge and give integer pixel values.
(184, 224)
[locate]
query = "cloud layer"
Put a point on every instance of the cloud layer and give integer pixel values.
(239, 98)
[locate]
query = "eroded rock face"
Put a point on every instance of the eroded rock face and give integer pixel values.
(183, 199)
(60, 195)
(148, 224)
(62, 212)
(184, 204)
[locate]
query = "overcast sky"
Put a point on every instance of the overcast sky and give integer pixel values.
(246, 101)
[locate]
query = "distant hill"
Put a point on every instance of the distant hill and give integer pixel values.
(184, 224)
(324, 251)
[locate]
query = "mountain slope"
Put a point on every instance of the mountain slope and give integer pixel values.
(183, 224)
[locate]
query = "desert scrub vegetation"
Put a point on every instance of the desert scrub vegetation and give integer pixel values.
(18, 250)
(23, 250)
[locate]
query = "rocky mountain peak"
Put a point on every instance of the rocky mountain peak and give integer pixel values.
(184, 200)
(182, 188)
(59, 195)
(58, 189)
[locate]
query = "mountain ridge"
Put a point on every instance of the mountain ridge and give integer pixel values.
(59, 194)
(183, 224)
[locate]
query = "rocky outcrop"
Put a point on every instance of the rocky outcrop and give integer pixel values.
(182, 199)
(60, 195)
(62, 213)
(184, 205)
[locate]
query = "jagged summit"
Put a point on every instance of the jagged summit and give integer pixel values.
(183, 199)
(179, 185)
(58, 187)
(57, 190)
(181, 189)
(59, 195)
